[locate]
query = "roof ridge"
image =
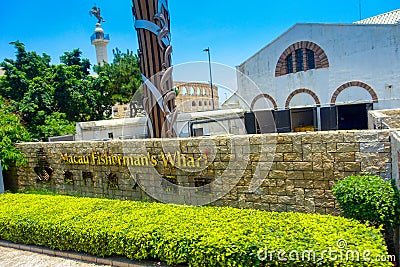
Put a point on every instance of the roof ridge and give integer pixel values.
(384, 18)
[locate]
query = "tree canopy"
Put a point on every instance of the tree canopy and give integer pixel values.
(11, 132)
(49, 99)
(122, 76)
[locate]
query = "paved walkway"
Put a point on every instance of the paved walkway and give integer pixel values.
(11, 257)
(17, 255)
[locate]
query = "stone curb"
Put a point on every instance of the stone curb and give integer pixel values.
(117, 262)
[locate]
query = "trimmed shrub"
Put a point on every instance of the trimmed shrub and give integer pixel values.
(196, 236)
(368, 199)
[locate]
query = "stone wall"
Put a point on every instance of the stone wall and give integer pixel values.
(275, 172)
(384, 119)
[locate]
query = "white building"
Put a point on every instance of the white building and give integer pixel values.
(324, 76)
(206, 123)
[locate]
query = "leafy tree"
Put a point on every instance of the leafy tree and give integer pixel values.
(39, 90)
(19, 72)
(11, 132)
(46, 95)
(56, 124)
(122, 77)
(74, 59)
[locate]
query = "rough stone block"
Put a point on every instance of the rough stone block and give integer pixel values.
(284, 166)
(295, 175)
(320, 210)
(286, 200)
(279, 191)
(352, 166)
(349, 137)
(318, 147)
(338, 166)
(297, 147)
(367, 136)
(331, 136)
(269, 198)
(318, 166)
(324, 203)
(285, 139)
(279, 157)
(309, 205)
(278, 207)
(321, 185)
(303, 183)
(277, 174)
(293, 157)
(284, 148)
(348, 147)
(280, 182)
(310, 138)
(345, 156)
(313, 175)
(302, 166)
(372, 147)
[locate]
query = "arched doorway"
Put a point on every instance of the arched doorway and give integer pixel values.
(302, 110)
(350, 104)
(260, 119)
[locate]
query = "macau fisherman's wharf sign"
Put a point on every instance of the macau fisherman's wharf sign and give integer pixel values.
(176, 159)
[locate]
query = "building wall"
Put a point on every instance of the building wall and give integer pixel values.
(356, 53)
(192, 97)
(295, 171)
(195, 97)
(217, 122)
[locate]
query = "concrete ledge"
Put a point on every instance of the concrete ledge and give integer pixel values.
(116, 261)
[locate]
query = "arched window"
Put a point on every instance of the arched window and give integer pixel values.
(310, 59)
(289, 64)
(301, 56)
(205, 103)
(299, 60)
(200, 103)
(184, 91)
(193, 104)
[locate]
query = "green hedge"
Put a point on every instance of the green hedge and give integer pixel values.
(196, 236)
(368, 198)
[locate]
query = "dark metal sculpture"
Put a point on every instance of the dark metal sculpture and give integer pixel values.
(96, 12)
(152, 22)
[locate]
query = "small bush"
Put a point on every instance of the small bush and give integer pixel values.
(368, 199)
(196, 236)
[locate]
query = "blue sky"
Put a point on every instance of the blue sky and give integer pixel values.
(234, 30)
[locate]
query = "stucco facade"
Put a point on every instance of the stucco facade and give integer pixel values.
(323, 70)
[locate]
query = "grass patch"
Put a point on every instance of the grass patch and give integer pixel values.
(196, 236)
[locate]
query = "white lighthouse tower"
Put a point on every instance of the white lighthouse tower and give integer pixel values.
(100, 41)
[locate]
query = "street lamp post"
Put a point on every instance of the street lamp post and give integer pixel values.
(211, 81)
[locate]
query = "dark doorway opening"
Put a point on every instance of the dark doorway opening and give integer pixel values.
(329, 118)
(353, 117)
(282, 121)
(260, 122)
(304, 119)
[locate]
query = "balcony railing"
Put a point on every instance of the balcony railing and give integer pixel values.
(99, 36)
